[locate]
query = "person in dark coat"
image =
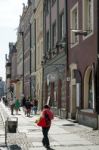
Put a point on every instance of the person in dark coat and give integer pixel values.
(28, 107)
(23, 104)
(35, 105)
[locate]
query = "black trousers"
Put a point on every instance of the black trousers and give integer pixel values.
(12, 109)
(45, 139)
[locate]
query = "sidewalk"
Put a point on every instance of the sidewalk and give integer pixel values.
(62, 134)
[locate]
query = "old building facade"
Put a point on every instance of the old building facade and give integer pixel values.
(25, 18)
(82, 23)
(39, 49)
(54, 60)
(11, 71)
(57, 57)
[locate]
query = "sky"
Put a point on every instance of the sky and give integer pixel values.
(10, 11)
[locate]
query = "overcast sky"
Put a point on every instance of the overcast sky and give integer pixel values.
(10, 11)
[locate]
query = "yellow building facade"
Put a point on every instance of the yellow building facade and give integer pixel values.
(39, 51)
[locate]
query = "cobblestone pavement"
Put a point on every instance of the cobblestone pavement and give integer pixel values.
(2, 135)
(85, 132)
(64, 135)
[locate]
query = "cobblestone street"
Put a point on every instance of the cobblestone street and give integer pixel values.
(85, 132)
(63, 135)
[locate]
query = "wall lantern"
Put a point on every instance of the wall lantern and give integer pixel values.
(80, 32)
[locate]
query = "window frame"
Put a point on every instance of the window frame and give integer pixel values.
(85, 18)
(74, 38)
(54, 36)
(47, 7)
(53, 2)
(61, 25)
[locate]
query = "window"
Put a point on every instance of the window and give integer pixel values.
(90, 93)
(74, 24)
(47, 41)
(88, 16)
(41, 21)
(47, 6)
(61, 26)
(54, 35)
(53, 2)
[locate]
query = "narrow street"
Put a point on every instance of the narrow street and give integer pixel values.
(64, 135)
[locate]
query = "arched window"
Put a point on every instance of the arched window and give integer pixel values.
(90, 96)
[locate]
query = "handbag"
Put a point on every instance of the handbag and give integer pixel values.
(41, 122)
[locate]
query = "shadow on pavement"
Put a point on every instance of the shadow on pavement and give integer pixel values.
(50, 149)
(14, 147)
(3, 146)
(68, 125)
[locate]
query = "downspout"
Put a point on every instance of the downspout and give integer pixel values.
(23, 58)
(97, 67)
(66, 52)
(57, 20)
(30, 60)
(50, 26)
(35, 41)
(44, 51)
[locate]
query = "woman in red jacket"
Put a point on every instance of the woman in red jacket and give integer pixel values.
(47, 115)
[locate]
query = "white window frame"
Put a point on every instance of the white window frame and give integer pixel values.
(61, 33)
(74, 38)
(85, 19)
(54, 34)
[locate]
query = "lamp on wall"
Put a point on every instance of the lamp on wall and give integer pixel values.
(80, 32)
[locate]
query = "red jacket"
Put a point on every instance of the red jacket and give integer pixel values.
(48, 115)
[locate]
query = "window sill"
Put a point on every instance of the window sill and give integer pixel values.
(87, 110)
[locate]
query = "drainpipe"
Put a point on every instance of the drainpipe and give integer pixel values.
(30, 60)
(44, 52)
(66, 52)
(50, 25)
(35, 41)
(22, 33)
(57, 20)
(97, 67)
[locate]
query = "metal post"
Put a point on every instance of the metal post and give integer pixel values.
(6, 133)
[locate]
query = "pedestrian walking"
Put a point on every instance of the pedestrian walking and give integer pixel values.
(28, 107)
(12, 104)
(17, 106)
(23, 104)
(45, 123)
(35, 105)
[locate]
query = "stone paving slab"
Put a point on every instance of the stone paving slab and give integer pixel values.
(76, 148)
(37, 148)
(61, 135)
(55, 130)
(2, 148)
